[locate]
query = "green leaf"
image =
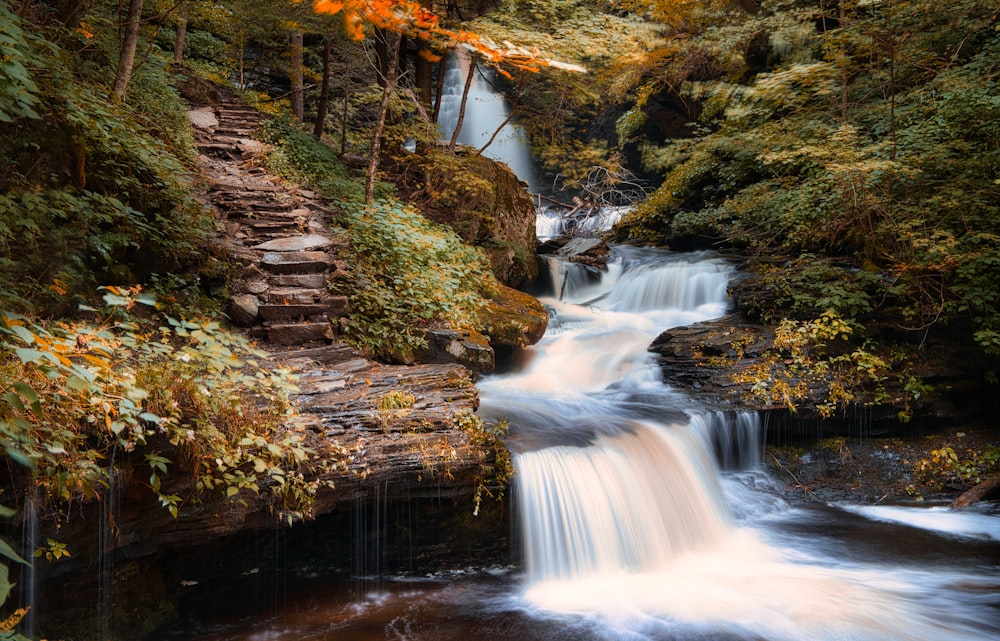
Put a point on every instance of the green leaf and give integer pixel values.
(9, 552)
(27, 355)
(232, 491)
(29, 394)
(78, 383)
(5, 584)
(18, 456)
(14, 401)
(23, 333)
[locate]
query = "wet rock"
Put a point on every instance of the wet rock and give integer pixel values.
(513, 319)
(471, 349)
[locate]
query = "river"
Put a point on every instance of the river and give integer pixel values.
(643, 516)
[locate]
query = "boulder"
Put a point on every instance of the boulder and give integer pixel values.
(244, 309)
(471, 349)
(513, 319)
(483, 201)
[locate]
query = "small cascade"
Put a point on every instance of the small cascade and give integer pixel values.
(552, 222)
(486, 110)
(632, 501)
(735, 438)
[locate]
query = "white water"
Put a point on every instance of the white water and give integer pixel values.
(486, 109)
(626, 527)
(553, 222)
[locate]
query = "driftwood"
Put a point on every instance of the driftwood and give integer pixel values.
(988, 490)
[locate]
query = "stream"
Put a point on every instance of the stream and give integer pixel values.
(643, 516)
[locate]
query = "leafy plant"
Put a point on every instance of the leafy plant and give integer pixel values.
(410, 273)
(183, 394)
(496, 467)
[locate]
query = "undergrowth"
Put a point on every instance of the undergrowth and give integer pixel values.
(150, 393)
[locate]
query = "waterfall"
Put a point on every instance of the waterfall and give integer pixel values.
(610, 477)
(735, 438)
(630, 501)
(486, 110)
(633, 500)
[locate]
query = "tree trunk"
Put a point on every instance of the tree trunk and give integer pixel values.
(423, 72)
(324, 91)
(842, 15)
(295, 73)
(383, 111)
(182, 24)
(126, 61)
(461, 107)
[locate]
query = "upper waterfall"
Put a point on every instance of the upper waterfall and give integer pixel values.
(486, 110)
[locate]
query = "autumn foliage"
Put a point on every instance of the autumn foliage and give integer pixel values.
(411, 18)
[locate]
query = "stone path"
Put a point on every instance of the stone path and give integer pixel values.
(280, 234)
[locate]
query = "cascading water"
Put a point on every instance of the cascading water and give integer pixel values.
(624, 520)
(486, 110)
(646, 517)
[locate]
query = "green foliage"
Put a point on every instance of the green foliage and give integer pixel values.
(128, 387)
(818, 364)
(870, 136)
(298, 156)
(809, 285)
(18, 91)
(410, 273)
(395, 400)
(496, 467)
(8, 625)
(947, 465)
(92, 186)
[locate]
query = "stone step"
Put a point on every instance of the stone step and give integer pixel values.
(296, 244)
(264, 226)
(271, 214)
(235, 131)
(295, 296)
(326, 355)
(299, 333)
(328, 306)
(304, 262)
(253, 204)
(308, 281)
(242, 114)
(228, 148)
(291, 312)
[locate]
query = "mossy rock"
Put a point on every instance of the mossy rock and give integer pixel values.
(482, 200)
(513, 319)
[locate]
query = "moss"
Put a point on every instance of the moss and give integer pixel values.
(513, 319)
(482, 200)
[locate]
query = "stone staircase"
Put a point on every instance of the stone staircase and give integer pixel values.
(278, 233)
